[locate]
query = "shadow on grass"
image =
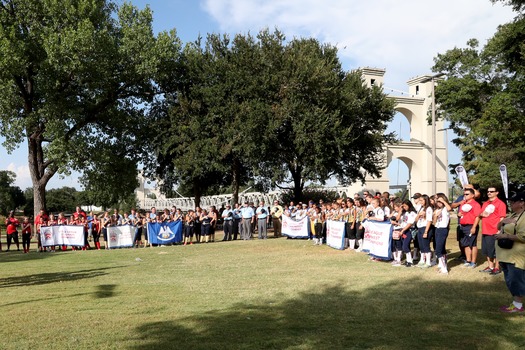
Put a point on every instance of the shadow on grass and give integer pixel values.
(52, 277)
(105, 291)
(408, 314)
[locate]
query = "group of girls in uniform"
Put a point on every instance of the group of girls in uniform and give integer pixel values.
(418, 227)
(426, 225)
(200, 223)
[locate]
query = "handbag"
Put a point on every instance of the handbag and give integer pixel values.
(505, 243)
(396, 236)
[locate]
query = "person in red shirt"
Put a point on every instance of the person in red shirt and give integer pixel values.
(469, 211)
(78, 215)
(12, 224)
(492, 212)
(26, 234)
(40, 220)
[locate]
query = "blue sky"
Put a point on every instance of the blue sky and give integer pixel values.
(401, 36)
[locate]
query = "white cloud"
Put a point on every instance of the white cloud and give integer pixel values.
(23, 177)
(401, 36)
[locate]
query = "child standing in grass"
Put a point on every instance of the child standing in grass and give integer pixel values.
(441, 222)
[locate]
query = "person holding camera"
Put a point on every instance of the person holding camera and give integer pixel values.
(510, 251)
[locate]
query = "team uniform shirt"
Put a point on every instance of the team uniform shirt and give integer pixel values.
(443, 219)
(422, 221)
(386, 210)
(470, 211)
(407, 219)
(12, 224)
(497, 211)
(379, 214)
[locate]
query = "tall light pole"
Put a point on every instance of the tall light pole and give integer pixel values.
(446, 145)
(433, 101)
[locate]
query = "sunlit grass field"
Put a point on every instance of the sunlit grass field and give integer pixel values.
(274, 294)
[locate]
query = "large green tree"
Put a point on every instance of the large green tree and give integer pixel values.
(482, 96)
(270, 110)
(324, 121)
(72, 75)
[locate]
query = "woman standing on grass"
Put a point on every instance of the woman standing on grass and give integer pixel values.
(197, 227)
(26, 234)
(213, 213)
(105, 222)
(205, 220)
(95, 231)
(359, 217)
(12, 224)
(424, 230)
(316, 220)
(189, 221)
(441, 220)
(404, 225)
(512, 257)
(350, 223)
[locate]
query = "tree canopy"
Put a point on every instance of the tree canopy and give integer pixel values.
(260, 107)
(73, 76)
(11, 197)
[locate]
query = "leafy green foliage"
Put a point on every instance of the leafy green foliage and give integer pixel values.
(11, 197)
(72, 74)
(483, 99)
(263, 109)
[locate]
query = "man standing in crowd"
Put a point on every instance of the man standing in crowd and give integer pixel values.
(492, 212)
(262, 221)
(469, 212)
(277, 213)
(248, 216)
(237, 221)
(227, 217)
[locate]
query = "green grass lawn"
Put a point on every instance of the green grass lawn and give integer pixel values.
(274, 294)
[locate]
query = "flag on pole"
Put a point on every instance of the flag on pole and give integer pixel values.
(504, 179)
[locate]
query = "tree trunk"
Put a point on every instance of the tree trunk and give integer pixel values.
(40, 170)
(298, 183)
(235, 181)
(197, 193)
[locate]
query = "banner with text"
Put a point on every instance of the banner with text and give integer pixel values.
(378, 238)
(295, 229)
(72, 235)
(121, 236)
(165, 233)
(335, 234)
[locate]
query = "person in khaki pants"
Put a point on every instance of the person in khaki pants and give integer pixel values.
(276, 211)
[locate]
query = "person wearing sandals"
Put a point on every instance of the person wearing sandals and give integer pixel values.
(511, 256)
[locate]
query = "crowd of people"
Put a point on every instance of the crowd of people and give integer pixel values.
(420, 228)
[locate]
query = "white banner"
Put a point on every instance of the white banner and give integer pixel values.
(295, 229)
(121, 236)
(462, 175)
(378, 238)
(335, 234)
(62, 235)
(504, 179)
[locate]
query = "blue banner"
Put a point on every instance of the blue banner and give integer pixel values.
(165, 233)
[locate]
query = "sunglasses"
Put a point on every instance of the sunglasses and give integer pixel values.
(491, 191)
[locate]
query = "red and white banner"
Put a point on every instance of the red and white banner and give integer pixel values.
(295, 229)
(121, 236)
(378, 238)
(62, 235)
(335, 234)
